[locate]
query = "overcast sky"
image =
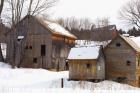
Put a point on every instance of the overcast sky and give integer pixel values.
(90, 8)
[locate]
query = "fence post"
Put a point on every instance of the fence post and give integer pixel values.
(62, 83)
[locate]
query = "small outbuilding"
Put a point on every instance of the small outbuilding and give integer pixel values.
(86, 63)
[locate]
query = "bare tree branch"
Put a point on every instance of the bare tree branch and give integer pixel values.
(131, 13)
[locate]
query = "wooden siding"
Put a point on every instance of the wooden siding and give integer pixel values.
(78, 69)
(116, 60)
(28, 50)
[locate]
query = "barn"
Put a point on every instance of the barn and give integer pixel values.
(122, 58)
(38, 43)
(86, 63)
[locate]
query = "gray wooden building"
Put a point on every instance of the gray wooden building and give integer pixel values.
(86, 63)
(37, 43)
(122, 57)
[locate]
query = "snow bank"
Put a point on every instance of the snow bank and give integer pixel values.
(4, 65)
(44, 81)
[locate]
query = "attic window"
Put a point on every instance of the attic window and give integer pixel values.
(88, 65)
(118, 44)
(128, 63)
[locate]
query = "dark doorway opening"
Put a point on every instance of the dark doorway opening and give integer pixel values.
(43, 50)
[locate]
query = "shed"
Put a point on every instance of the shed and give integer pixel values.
(86, 63)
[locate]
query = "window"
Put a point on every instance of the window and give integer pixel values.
(118, 44)
(26, 47)
(30, 47)
(34, 60)
(43, 50)
(88, 65)
(128, 63)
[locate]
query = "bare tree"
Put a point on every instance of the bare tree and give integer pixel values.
(18, 9)
(131, 13)
(74, 23)
(1, 26)
(1, 6)
(101, 22)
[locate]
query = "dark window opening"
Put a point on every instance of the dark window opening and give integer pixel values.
(128, 63)
(43, 50)
(118, 44)
(88, 65)
(30, 47)
(26, 47)
(34, 60)
(18, 39)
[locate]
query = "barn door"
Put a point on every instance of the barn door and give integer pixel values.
(43, 54)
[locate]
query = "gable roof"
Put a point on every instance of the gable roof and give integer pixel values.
(53, 27)
(84, 53)
(133, 42)
(56, 28)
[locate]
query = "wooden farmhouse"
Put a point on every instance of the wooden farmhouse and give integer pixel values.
(122, 58)
(86, 63)
(36, 43)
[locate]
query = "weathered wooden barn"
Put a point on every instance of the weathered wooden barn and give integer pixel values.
(86, 63)
(122, 58)
(36, 43)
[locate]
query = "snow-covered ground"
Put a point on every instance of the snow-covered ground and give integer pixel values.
(44, 81)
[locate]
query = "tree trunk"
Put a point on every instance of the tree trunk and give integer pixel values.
(1, 26)
(1, 56)
(1, 6)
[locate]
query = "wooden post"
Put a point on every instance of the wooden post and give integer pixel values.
(62, 83)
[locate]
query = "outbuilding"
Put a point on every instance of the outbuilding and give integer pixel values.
(86, 63)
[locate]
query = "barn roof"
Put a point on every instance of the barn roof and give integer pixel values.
(133, 42)
(56, 28)
(84, 52)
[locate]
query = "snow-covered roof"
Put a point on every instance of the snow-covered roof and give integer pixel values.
(20, 37)
(136, 40)
(81, 43)
(56, 28)
(84, 52)
(59, 29)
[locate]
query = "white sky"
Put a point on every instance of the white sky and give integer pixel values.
(90, 8)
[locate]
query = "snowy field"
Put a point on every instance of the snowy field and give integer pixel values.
(44, 81)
